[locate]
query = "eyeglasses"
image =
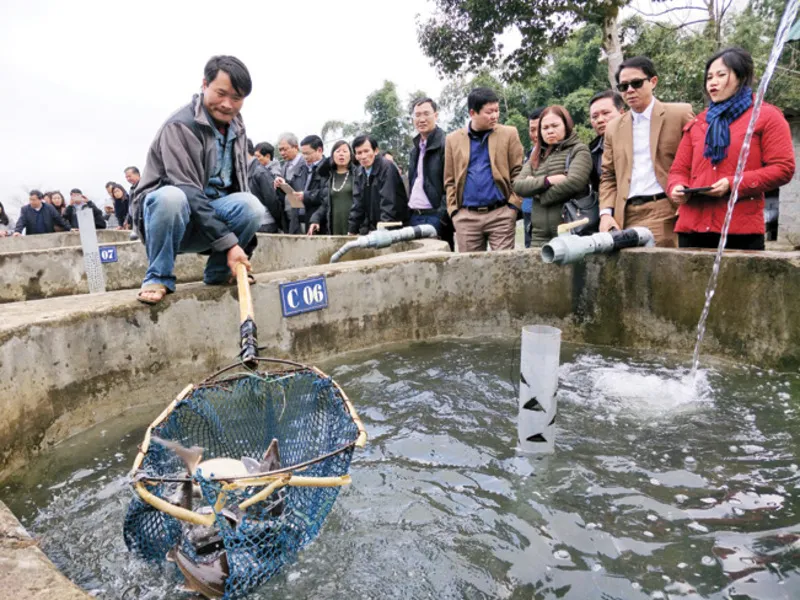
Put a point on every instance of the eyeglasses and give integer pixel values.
(634, 83)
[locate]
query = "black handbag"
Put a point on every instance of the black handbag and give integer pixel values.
(585, 207)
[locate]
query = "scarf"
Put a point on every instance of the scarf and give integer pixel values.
(719, 117)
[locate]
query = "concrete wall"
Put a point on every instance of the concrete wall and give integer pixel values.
(34, 273)
(59, 240)
(25, 572)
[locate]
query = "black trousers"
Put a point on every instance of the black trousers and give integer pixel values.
(745, 241)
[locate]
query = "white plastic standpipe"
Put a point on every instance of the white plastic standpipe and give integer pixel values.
(539, 361)
(91, 251)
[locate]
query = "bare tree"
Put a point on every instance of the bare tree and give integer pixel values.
(687, 13)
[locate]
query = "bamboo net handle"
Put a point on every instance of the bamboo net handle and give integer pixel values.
(245, 297)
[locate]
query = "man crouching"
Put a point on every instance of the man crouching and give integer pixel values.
(193, 194)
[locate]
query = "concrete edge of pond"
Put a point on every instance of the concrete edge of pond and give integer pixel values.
(25, 572)
(36, 273)
(100, 355)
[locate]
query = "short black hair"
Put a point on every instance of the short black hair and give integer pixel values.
(109, 183)
(644, 64)
(479, 97)
(134, 169)
(312, 140)
(240, 76)
(737, 60)
(536, 113)
(425, 100)
(388, 153)
(619, 103)
(250, 148)
(75, 191)
(362, 139)
(36, 193)
(265, 149)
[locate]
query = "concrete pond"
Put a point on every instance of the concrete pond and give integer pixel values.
(71, 361)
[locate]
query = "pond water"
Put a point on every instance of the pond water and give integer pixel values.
(658, 488)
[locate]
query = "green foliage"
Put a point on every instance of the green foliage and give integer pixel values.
(388, 121)
(467, 34)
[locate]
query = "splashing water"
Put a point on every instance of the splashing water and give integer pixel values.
(789, 16)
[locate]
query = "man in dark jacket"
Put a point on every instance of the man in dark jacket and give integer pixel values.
(262, 186)
(603, 108)
(427, 201)
(194, 195)
(313, 194)
(379, 195)
(294, 172)
(80, 202)
(132, 176)
(38, 217)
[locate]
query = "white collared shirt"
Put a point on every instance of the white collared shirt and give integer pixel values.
(643, 175)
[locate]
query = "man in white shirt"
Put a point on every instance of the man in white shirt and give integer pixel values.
(639, 149)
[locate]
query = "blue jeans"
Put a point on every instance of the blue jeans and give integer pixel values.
(169, 232)
(434, 220)
(526, 218)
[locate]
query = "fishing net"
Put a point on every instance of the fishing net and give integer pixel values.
(248, 528)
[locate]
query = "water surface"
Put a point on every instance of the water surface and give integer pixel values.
(658, 488)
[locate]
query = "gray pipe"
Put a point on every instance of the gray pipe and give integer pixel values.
(568, 248)
(381, 238)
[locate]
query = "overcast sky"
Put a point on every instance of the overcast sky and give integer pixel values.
(87, 84)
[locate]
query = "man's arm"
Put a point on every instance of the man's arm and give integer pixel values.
(312, 198)
(178, 146)
(99, 218)
(264, 189)
(450, 176)
(356, 218)
(390, 198)
(21, 221)
(608, 176)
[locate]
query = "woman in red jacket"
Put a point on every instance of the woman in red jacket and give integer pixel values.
(709, 152)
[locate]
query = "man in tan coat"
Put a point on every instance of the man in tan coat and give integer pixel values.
(480, 163)
(639, 149)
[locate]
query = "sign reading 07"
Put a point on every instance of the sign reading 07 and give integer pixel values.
(303, 296)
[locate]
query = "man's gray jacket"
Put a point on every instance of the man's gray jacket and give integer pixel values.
(183, 154)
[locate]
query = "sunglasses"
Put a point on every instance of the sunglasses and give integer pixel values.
(634, 83)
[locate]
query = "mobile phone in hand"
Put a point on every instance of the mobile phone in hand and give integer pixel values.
(697, 190)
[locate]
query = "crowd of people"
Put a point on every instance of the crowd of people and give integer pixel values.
(207, 188)
(49, 212)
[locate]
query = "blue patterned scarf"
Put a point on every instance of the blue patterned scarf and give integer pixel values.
(719, 118)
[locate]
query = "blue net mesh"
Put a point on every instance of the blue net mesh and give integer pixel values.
(238, 417)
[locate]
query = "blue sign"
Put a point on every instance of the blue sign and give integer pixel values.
(108, 254)
(303, 296)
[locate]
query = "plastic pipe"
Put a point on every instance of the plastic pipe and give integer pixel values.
(568, 248)
(539, 362)
(91, 251)
(381, 238)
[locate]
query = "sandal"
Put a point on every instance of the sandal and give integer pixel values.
(153, 289)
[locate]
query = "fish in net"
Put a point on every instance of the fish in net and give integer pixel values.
(239, 472)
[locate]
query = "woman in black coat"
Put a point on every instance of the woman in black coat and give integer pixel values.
(337, 173)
